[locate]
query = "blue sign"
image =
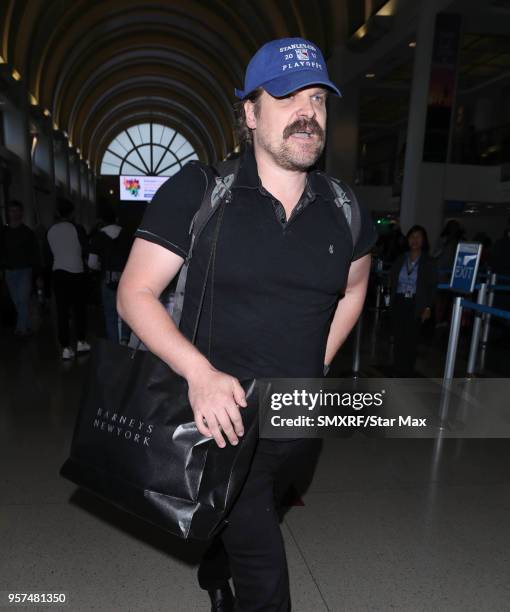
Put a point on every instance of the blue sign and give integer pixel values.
(465, 267)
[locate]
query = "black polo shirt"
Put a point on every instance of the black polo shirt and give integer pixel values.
(277, 282)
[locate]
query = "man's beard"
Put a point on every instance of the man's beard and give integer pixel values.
(293, 157)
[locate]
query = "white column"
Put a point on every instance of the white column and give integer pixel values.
(417, 114)
(423, 183)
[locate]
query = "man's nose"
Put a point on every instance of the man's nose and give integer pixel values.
(306, 108)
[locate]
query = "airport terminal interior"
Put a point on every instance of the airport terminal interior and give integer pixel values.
(101, 101)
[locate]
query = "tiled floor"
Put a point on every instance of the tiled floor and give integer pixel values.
(383, 527)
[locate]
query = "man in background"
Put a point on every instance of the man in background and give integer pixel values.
(68, 246)
(19, 257)
(499, 262)
(109, 252)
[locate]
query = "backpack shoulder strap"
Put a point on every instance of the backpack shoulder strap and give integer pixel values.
(346, 201)
(217, 191)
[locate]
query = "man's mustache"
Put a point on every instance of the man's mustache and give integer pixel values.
(304, 125)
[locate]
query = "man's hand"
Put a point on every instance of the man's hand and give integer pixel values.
(215, 398)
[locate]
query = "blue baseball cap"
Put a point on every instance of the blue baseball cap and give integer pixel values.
(285, 65)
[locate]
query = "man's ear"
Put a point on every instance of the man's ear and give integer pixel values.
(249, 111)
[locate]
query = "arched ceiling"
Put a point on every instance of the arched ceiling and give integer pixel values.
(99, 66)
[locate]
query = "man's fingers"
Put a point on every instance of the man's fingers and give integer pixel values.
(201, 426)
(214, 429)
(237, 421)
(239, 395)
(227, 427)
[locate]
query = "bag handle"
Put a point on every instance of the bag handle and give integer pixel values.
(210, 267)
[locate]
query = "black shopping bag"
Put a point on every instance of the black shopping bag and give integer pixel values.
(136, 445)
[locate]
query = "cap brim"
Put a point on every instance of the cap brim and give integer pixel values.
(287, 83)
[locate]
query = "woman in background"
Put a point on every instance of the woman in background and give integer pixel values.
(413, 278)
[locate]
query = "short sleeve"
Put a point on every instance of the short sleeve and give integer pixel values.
(168, 216)
(367, 235)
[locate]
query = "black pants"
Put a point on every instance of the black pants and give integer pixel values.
(406, 332)
(70, 295)
(250, 549)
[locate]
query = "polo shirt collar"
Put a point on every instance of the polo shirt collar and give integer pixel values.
(248, 178)
(247, 175)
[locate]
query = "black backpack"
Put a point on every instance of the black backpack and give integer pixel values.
(115, 256)
(218, 191)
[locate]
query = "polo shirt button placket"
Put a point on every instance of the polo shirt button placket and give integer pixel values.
(280, 212)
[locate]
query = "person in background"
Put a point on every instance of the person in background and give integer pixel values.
(67, 245)
(19, 257)
(413, 278)
(452, 234)
(499, 262)
(499, 254)
(109, 252)
(394, 243)
(486, 242)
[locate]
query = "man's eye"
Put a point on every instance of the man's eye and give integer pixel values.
(319, 98)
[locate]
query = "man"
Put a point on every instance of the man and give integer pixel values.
(67, 244)
(283, 260)
(19, 256)
(499, 254)
(109, 251)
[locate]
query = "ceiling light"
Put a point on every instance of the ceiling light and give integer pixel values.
(370, 75)
(46, 113)
(412, 44)
(16, 75)
(35, 140)
(55, 125)
(387, 9)
(360, 32)
(111, 191)
(371, 31)
(33, 100)
(2, 61)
